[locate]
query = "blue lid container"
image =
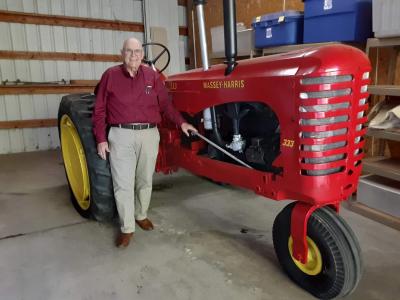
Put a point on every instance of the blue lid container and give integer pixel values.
(337, 20)
(281, 28)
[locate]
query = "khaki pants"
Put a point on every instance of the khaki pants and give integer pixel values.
(133, 155)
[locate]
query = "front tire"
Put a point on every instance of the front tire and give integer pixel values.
(89, 177)
(334, 265)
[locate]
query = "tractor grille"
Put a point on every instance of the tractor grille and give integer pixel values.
(332, 113)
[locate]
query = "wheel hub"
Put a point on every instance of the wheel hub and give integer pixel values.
(314, 259)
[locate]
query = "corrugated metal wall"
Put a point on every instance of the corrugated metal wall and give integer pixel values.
(27, 37)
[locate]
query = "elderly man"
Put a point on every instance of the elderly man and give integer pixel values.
(130, 98)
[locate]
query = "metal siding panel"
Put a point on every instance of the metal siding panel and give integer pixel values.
(43, 7)
(53, 102)
(95, 9)
(18, 37)
(59, 39)
(22, 70)
(27, 112)
(50, 70)
(15, 5)
(108, 42)
(36, 70)
(5, 36)
(84, 40)
(71, 7)
(83, 9)
(128, 11)
(45, 40)
(182, 16)
(106, 9)
(75, 69)
(29, 6)
(4, 134)
(72, 39)
(97, 41)
(32, 37)
(7, 69)
(165, 14)
(137, 12)
(62, 68)
(3, 4)
(41, 112)
(99, 68)
(57, 7)
(87, 71)
(13, 113)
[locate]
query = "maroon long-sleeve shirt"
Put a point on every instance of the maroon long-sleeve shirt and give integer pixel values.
(124, 99)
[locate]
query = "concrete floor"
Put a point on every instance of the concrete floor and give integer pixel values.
(197, 251)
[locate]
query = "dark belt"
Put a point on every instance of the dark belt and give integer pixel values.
(135, 126)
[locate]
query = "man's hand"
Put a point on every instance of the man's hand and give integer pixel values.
(186, 127)
(102, 149)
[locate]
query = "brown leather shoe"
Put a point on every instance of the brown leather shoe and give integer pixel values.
(145, 224)
(123, 239)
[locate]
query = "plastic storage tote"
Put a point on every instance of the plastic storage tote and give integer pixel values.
(337, 20)
(282, 28)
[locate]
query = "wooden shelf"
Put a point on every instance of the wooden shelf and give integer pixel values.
(374, 214)
(383, 166)
(387, 134)
(383, 42)
(385, 90)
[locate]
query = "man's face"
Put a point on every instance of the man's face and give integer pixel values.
(132, 54)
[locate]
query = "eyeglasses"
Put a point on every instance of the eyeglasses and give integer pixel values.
(133, 51)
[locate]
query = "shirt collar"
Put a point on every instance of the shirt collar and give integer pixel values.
(126, 73)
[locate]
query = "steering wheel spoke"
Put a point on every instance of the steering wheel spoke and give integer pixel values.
(152, 62)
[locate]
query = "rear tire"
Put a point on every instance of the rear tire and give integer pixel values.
(340, 256)
(89, 177)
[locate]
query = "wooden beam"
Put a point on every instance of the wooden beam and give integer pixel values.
(35, 123)
(53, 20)
(46, 89)
(183, 31)
(182, 2)
(65, 56)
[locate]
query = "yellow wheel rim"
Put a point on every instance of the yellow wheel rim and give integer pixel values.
(75, 162)
(314, 258)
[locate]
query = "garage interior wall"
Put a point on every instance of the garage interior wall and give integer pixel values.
(31, 105)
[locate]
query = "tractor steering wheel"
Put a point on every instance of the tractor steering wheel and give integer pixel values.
(152, 62)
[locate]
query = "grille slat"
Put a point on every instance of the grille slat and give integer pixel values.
(344, 117)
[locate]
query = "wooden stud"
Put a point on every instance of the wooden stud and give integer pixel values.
(64, 56)
(46, 89)
(35, 123)
(53, 20)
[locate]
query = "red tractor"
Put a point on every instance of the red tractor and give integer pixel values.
(286, 126)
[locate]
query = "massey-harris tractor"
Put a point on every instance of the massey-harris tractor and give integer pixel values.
(286, 126)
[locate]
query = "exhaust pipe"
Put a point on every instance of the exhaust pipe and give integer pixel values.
(230, 35)
(204, 54)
